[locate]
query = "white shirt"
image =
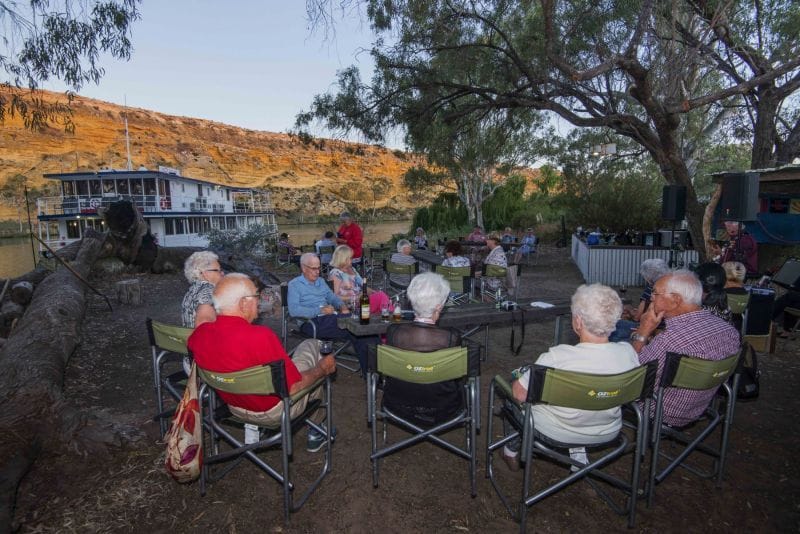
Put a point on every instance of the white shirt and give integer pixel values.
(582, 426)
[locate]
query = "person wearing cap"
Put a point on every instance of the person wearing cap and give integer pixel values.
(350, 234)
(527, 245)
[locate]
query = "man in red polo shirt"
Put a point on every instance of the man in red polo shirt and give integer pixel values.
(231, 343)
(350, 234)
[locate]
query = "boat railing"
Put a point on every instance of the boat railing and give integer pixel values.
(88, 204)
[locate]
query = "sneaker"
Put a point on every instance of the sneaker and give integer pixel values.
(511, 460)
(317, 440)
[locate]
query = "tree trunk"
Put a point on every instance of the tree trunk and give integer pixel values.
(708, 217)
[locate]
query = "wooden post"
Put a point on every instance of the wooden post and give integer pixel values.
(129, 291)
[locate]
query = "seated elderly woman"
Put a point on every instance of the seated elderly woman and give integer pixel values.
(527, 245)
(454, 255)
(497, 256)
(347, 283)
(595, 311)
(421, 240)
(403, 257)
(427, 404)
(203, 272)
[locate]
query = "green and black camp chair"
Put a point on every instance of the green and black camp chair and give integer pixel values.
(167, 344)
(580, 391)
(389, 268)
(693, 373)
(456, 363)
(460, 280)
(218, 422)
(507, 277)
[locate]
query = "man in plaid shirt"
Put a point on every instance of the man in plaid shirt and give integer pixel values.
(690, 330)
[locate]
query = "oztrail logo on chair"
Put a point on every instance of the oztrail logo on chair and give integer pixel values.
(604, 394)
(420, 368)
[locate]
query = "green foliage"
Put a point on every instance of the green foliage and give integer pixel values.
(444, 214)
(252, 240)
(61, 39)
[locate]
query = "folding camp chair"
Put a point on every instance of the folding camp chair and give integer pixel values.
(460, 280)
(325, 265)
(507, 277)
(392, 288)
(291, 325)
(218, 422)
(283, 260)
(456, 363)
(581, 391)
(693, 373)
(167, 344)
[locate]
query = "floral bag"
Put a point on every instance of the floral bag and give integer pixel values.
(185, 437)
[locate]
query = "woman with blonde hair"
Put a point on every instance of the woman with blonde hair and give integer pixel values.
(347, 283)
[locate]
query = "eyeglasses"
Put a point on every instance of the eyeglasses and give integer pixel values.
(311, 268)
(255, 296)
(654, 294)
(213, 271)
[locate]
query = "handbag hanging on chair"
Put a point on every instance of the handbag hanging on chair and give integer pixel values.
(185, 438)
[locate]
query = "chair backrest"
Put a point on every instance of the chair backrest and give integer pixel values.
(422, 367)
(326, 251)
(269, 379)
(285, 296)
(168, 337)
(400, 268)
(495, 271)
(691, 372)
(283, 253)
(586, 391)
(457, 277)
(737, 302)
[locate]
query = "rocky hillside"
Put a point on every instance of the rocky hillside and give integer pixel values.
(317, 177)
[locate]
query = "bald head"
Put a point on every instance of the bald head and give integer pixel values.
(236, 295)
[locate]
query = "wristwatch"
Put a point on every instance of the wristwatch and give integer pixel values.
(636, 336)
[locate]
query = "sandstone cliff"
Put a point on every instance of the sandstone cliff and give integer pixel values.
(318, 177)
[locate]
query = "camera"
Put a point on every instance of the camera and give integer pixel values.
(508, 305)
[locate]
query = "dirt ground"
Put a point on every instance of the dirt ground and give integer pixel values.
(422, 489)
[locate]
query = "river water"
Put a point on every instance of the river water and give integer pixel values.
(16, 257)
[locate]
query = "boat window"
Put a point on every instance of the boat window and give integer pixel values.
(205, 224)
(228, 194)
(150, 186)
(136, 186)
(73, 229)
(122, 186)
(199, 190)
(83, 187)
(168, 228)
(215, 222)
(108, 187)
(68, 188)
(94, 187)
(231, 223)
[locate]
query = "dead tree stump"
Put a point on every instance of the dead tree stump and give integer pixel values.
(129, 291)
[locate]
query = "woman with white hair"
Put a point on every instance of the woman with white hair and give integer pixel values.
(402, 257)
(595, 311)
(420, 239)
(427, 404)
(203, 271)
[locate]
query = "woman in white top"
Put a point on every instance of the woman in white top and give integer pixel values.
(595, 311)
(454, 255)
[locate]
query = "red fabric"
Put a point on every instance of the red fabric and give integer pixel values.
(232, 344)
(353, 236)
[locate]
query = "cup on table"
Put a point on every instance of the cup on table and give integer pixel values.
(385, 312)
(326, 347)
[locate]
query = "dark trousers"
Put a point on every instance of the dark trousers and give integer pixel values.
(328, 329)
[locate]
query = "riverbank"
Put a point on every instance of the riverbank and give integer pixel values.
(423, 489)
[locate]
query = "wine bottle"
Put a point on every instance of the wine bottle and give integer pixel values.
(364, 304)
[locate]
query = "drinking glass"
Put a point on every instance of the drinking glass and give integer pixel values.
(385, 312)
(623, 289)
(325, 347)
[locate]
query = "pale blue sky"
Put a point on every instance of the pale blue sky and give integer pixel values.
(247, 63)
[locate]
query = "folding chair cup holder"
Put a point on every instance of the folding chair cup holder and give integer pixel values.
(218, 424)
(579, 391)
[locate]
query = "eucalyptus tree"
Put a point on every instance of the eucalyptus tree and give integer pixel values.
(668, 74)
(62, 39)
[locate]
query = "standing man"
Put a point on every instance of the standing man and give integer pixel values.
(350, 234)
(741, 247)
(690, 330)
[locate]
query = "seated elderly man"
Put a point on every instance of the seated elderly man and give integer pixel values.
(595, 310)
(690, 330)
(651, 270)
(425, 404)
(311, 298)
(231, 343)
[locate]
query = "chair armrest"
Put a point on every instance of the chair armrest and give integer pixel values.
(297, 395)
(503, 388)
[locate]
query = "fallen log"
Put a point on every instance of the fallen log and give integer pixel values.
(34, 416)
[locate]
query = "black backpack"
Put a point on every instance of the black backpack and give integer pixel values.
(748, 374)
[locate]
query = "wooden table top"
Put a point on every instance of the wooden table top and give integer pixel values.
(468, 314)
(428, 256)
